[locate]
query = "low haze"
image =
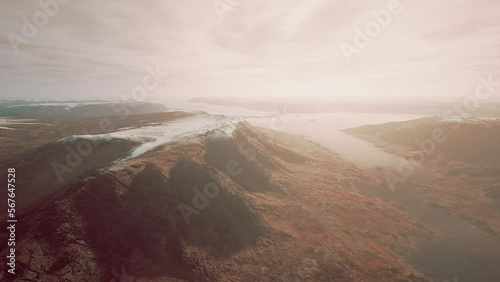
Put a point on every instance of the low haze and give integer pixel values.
(250, 140)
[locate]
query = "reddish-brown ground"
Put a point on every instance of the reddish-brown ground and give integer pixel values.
(462, 176)
(28, 135)
(293, 213)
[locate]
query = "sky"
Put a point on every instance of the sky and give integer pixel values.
(249, 49)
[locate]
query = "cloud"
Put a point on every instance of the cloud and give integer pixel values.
(262, 48)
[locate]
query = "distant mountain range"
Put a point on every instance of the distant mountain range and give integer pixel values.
(420, 108)
(471, 140)
(28, 109)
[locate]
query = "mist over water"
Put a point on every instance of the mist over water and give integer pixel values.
(325, 129)
(259, 140)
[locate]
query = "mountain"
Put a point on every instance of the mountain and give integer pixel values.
(471, 140)
(491, 110)
(227, 204)
(77, 109)
(451, 161)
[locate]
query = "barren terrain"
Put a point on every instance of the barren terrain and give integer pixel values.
(195, 197)
(279, 208)
(453, 191)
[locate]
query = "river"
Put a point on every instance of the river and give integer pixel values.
(458, 249)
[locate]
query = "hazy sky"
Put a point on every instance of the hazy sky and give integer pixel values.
(261, 48)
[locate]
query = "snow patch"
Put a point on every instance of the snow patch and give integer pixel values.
(93, 138)
(152, 137)
(463, 120)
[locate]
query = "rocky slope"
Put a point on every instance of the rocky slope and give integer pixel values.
(241, 206)
(458, 169)
(471, 140)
